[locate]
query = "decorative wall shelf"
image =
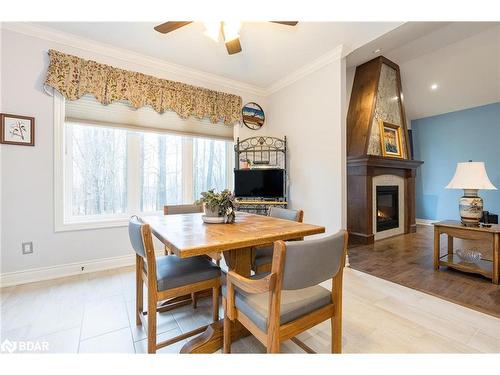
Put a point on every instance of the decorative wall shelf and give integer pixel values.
(263, 153)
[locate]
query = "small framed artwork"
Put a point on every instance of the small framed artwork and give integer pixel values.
(17, 130)
(253, 116)
(390, 139)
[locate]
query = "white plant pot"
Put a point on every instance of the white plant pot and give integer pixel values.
(211, 213)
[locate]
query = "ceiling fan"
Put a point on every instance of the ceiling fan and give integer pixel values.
(228, 30)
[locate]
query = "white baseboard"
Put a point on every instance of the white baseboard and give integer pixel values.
(64, 270)
(425, 221)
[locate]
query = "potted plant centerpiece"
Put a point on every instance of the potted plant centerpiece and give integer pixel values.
(218, 207)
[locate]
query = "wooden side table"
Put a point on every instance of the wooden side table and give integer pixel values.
(453, 229)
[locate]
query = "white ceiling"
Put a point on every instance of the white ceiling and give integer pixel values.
(462, 58)
(270, 51)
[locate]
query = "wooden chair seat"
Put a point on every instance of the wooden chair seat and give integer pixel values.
(294, 304)
(174, 272)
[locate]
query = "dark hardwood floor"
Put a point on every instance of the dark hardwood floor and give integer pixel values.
(407, 260)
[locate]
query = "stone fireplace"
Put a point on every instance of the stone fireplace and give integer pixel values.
(380, 188)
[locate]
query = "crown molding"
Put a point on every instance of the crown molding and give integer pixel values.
(320, 62)
(89, 45)
(74, 41)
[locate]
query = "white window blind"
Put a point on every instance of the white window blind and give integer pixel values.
(88, 110)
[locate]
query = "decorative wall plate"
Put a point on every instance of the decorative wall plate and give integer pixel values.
(253, 116)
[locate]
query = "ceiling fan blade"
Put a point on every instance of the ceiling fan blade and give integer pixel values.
(171, 26)
(233, 46)
(287, 23)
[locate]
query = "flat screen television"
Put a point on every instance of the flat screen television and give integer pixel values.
(262, 183)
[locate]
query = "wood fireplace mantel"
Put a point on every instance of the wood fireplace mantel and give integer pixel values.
(373, 161)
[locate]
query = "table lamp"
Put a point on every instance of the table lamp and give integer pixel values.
(470, 176)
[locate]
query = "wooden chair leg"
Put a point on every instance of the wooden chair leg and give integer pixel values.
(151, 323)
(227, 333)
(336, 320)
(273, 344)
(215, 303)
(194, 298)
(139, 294)
(336, 334)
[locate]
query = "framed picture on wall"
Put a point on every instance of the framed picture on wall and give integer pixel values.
(390, 139)
(17, 130)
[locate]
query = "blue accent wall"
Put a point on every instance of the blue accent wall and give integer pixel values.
(444, 140)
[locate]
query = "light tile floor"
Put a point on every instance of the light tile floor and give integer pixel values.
(95, 313)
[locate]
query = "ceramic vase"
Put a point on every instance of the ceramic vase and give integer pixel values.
(471, 208)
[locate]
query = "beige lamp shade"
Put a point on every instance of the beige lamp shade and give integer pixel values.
(471, 175)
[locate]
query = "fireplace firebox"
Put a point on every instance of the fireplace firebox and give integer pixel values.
(387, 207)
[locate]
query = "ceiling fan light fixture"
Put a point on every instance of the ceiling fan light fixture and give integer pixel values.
(212, 30)
(231, 30)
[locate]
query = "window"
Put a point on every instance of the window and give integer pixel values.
(97, 161)
(161, 165)
(112, 171)
(209, 172)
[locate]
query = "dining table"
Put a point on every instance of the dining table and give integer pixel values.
(186, 235)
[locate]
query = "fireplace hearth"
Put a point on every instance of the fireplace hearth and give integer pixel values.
(387, 207)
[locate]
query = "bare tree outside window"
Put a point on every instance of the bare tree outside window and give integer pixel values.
(161, 157)
(99, 170)
(210, 160)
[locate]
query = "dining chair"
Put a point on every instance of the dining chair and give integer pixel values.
(263, 256)
(288, 301)
(189, 209)
(181, 209)
(167, 277)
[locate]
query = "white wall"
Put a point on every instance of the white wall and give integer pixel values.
(27, 175)
(311, 113)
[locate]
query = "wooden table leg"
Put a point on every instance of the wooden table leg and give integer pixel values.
(211, 340)
(450, 244)
(437, 246)
(238, 260)
(496, 255)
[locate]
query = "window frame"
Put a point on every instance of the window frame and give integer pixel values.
(65, 221)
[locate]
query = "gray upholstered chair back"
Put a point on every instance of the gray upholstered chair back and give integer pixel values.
(183, 209)
(309, 263)
(135, 235)
(284, 213)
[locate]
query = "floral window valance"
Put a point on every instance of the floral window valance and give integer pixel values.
(74, 77)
